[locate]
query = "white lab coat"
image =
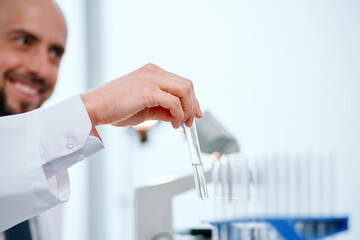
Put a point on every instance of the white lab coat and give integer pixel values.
(36, 148)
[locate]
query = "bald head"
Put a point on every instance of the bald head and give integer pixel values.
(33, 37)
(27, 3)
(48, 9)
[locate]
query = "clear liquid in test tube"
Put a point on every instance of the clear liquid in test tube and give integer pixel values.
(194, 149)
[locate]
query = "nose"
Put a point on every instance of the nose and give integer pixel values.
(39, 64)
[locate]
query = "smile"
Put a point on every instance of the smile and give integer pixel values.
(26, 89)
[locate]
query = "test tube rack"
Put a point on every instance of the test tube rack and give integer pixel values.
(290, 228)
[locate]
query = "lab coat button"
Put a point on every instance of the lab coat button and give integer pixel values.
(69, 142)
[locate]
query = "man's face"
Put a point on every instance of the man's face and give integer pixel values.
(32, 41)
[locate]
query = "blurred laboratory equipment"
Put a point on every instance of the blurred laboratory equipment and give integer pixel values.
(153, 203)
(274, 197)
(153, 206)
(271, 197)
(198, 169)
(213, 136)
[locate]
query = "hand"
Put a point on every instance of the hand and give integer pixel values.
(149, 93)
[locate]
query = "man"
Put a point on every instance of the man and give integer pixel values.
(38, 145)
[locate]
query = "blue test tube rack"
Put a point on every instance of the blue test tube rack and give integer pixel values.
(288, 227)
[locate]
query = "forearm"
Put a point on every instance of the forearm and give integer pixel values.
(36, 149)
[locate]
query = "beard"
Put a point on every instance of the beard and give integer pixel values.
(6, 110)
(24, 106)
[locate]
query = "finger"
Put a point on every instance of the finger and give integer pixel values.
(183, 89)
(160, 113)
(170, 102)
(197, 113)
(194, 114)
(198, 110)
(189, 121)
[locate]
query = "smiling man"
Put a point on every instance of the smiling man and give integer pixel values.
(32, 42)
(38, 145)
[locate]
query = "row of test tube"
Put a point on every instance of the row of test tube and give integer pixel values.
(276, 186)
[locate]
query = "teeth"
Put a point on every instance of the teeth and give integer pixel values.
(26, 89)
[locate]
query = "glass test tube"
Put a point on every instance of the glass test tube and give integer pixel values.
(194, 149)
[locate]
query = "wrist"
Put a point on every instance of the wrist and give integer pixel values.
(88, 100)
